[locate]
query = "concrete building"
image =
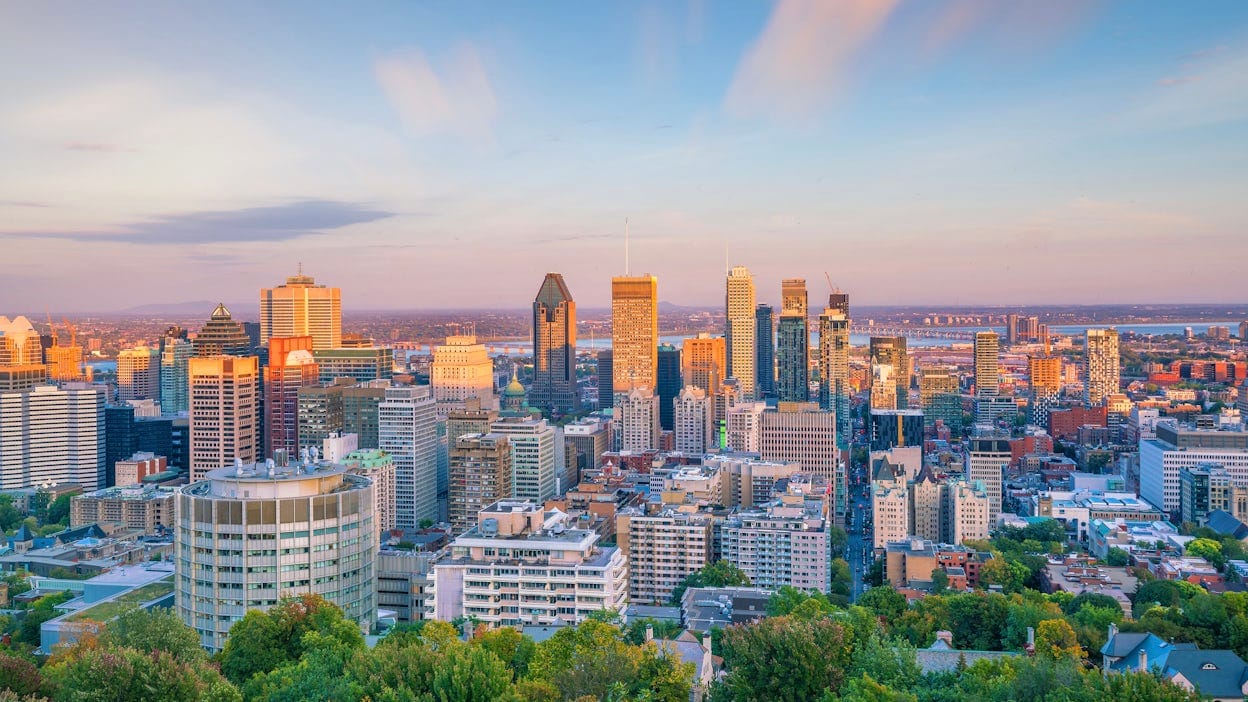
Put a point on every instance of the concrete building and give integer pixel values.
(940, 396)
(480, 467)
(739, 332)
(250, 535)
(1101, 365)
(142, 508)
(793, 343)
(584, 442)
(986, 462)
(408, 431)
(1206, 489)
(377, 466)
(138, 374)
(1176, 448)
(225, 422)
(748, 482)
(745, 427)
(133, 470)
(1044, 376)
(51, 435)
(987, 364)
(661, 550)
(1077, 509)
(521, 565)
(637, 416)
(785, 544)
(834, 349)
(343, 407)
(461, 368)
(533, 463)
(802, 433)
(290, 369)
(970, 510)
(896, 428)
(405, 585)
(363, 363)
(695, 433)
(554, 387)
(890, 506)
(634, 332)
(704, 362)
(300, 307)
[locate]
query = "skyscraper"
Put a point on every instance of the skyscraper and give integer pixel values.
(224, 397)
(51, 435)
(739, 333)
(793, 343)
(634, 332)
(987, 364)
(705, 362)
(175, 358)
(764, 351)
(222, 336)
(290, 369)
(408, 431)
(138, 374)
(554, 349)
(533, 459)
(986, 462)
(834, 364)
(799, 432)
(300, 307)
(1100, 365)
(668, 384)
(1044, 375)
(891, 351)
(940, 397)
(461, 368)
(605, 373)
(694, 427)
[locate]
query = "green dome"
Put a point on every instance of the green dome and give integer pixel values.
(514, 388)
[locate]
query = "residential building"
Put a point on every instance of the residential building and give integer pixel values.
(986, 462)
(554, 389)
(225, 423)
(890, 506)
(637, 415)
(785, 544)
(1044, 375)
(1101, 365)
(133, 470)
(801, 433)
(634, 332)
(987, 364)
(142, 508)
(940, 397)
(480, 467)
(764, 351)
(51, 435)
(695, 432)
(793, 343)
(584, 441)
(377, 466)
(739, 333)
(888, 353)
(175, 359)
(407, 430)
(834, 364)
(970, 510)
(300, 307)
(138, 374)
(405, 584)
(745, 427)
(662, 549)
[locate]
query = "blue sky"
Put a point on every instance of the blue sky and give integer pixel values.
(432, 154)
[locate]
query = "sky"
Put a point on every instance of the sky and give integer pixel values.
(430, 154)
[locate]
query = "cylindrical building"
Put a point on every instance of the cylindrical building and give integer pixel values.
(249, 535)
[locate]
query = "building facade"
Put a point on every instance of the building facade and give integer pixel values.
(480, 466)
(461, 369)
(300, 307)
(1101, 365)
(739, 333)
(408, 431)
(634, 332)
(554, 387)
(51, 435)
(225, 422)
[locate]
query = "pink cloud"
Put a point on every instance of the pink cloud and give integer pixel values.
(458, 99)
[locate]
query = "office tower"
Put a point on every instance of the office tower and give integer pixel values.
(138, 374)
(1243, 332)
(764, 351)
(51, 435)
(1174, 448)
(533, 461)
(125, 435)
(342, 407)
(694, 427)
(19, 343)
(358, 359)
(893, 428)
(226, 536)
(1011, 329)
(890, 506)
(408, 431)
(638, 417)
(480, 468)
(1100, 365)
(461, 368)
(1044, 375)
(705, 362)
(224, 396)
(986, 463)
(793, 343)
(584, 443)
(834, 364)
(554, 389)
(799, 432)
(222, 336)
(290, 369)
(605, 372)
(739, 333)
(300, 307)
(662, 549)
(891, 351)
(634, 332)
(546, 547)
(940, 397)
(668, 385)
(175, 360)
(987, 364)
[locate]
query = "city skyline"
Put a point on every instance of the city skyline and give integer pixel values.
(980, 148)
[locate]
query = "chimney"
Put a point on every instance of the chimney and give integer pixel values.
(649, 632)
(706, 642)
(1143, 661)
(1031, 638)
(1113, 631)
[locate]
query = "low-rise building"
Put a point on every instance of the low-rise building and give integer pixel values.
(143, 508)
(784, 544)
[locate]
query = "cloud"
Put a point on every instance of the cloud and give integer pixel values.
(799, 63)
(274, 223)
(1214, 92)
(1015, 25)
(23, 203)
(96, 146)
(1181, 80)
(459, 99)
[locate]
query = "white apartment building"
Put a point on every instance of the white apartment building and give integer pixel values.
(970, 510)
(407, 429)
(748, 481)
(662, 549)
(890, 506)
(461, 368)
(1101, 365)
(986, 462)
(637, 415)
(785, 544)
(694, 428)
(745, 427)
(533, 462)
(51, 435)
(138, 374)
(521, 565)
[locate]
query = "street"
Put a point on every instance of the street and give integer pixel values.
(859, 549)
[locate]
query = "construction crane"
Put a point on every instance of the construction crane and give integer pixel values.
(51, 329)
(73, 332)
(831, 286)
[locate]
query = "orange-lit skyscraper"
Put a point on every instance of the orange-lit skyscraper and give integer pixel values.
(290, 368)
(635, 332)
(300, 307)
(223, 399)
(704, 362)
(739, 333)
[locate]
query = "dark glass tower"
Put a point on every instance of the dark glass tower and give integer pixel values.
(668, 385)
(606, 366)
(764, 352)
(554, 388)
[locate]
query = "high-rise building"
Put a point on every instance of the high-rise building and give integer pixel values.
(784, 544)
(892, 428)
(480, 467)
(987, 364)
(408, 431)
(175, 360)
(668, 385)
(1100, 365)
(1175, 448)
(799, 432)
(222, 336)
(51, 435)
(584, 443)
(891, 351)
(744, 427)
(638, 416)
(377, 466)
(461, 369)
(940, 397)
(224, 396)
(705, 362)
(343, 407)
(694, 427)
(230, 526)
(533, 460)
(970, 508)
(290, 369)
(554, 389)
(362, 361)
(834, 364)
(1044, 375)
(739, 333)
(138, 374)
(793, 343)
(883, 386)
(764, 351)
(19, 343)
(634, 332)
(662, 549)
(605, 372)
(300, 307)
(986, 463)
(890, 506)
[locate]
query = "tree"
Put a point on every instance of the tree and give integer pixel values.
(635, 632)
(1207, 549)
(866, 689)
(940, 581)
(1000, 571)
(1056, 638)
(1091, 599)
(1166, 593)
(783, 659)
(885, 601)
(511, 647)
(43, 610)
(789, 600)
(593, 659)
(717, 574)
(58, 511)
(151, 630)
(1117, 557)
(19, 675)
(267, 640)
(124, 674)
(9, 516)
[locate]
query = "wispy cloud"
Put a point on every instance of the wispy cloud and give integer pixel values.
(458, 99)
(795, 68)
(1016, 25)
(274, 223)
(98, 146)
(1213, 91)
